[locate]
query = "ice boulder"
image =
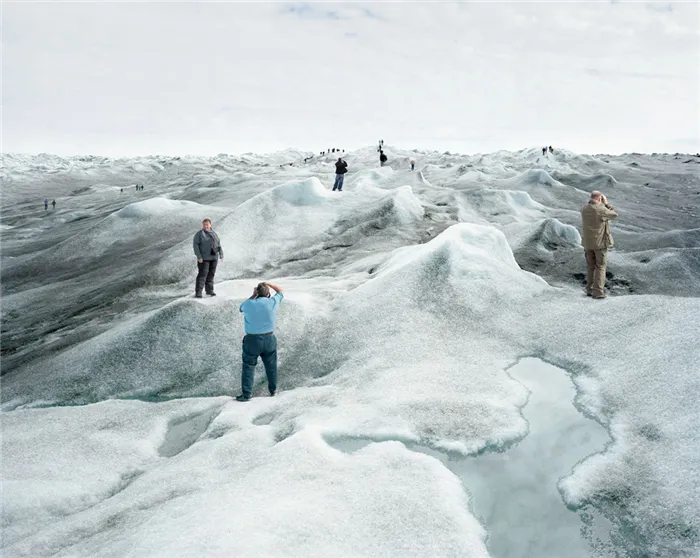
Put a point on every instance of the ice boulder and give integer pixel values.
(544, 236)
(294, 222)
(537, 176)
(300, 193)
(473, 258)
(498, 206)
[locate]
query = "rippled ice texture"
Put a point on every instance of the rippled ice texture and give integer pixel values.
(409, 296)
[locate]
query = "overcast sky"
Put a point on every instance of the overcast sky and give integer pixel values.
(204, 78)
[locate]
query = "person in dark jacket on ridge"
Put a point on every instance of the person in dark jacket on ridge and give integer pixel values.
(207, 248)
(382, 158)
(341, 167)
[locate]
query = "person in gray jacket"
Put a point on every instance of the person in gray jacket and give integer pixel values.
(207, 248)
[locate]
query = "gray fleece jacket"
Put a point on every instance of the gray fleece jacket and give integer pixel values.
(204, 242)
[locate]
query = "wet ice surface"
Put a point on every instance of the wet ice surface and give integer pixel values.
(514, 491)
(409, 298)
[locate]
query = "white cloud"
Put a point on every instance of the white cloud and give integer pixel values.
(130, 78)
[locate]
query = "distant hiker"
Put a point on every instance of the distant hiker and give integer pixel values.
(551, 150)
(595, 218)
(382, 158)
(53, 203)
(544, 150)
(137, 187)
(121, 191)
(259, 315)
(413, 164)
(46, 204)
(341, 167)
(207, 248)
(333, 150)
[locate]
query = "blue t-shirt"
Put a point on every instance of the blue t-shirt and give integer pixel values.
(260, 313)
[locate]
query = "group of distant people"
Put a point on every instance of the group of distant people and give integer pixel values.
(545, 149)
(46, 204)
(138, 187)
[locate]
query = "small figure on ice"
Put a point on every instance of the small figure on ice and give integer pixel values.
(341, 167)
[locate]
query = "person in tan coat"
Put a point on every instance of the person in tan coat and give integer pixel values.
(595, 217)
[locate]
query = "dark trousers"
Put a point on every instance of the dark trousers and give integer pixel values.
(265, 347)
(205, 277)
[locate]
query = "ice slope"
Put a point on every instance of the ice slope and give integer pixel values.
(236, 490)
(409, 296)
(297, 221)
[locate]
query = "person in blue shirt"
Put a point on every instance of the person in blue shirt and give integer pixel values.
(259, 314)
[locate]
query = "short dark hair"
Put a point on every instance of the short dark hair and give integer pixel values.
(207, 220)
(263, 290)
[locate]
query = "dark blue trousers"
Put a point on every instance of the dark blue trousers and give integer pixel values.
(265, 347)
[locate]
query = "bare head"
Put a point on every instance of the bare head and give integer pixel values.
(206, 224)
(262, 290)
(596, 196)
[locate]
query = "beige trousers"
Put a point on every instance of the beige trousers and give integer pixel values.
(596, 261)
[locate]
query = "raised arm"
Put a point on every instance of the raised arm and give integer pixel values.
(609, 214)
(274, 287)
